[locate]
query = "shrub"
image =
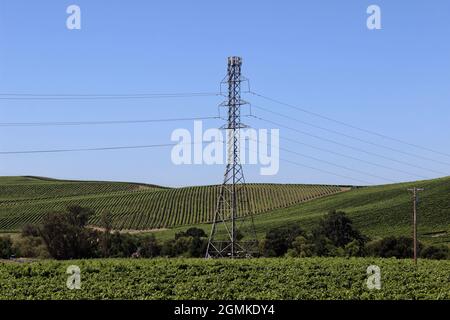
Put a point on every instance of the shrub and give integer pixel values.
(30, 230)
(355, 249)
(65, 234)
(123, 245)
(398, 247)
(149, 247)
(31, 247)
(279, 240)
(301, 247)
(191, 232)
(324, 247)
(337, 227)
(6, 248)
(435, 252)
(197, 247)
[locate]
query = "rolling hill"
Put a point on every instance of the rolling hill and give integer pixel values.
(136, 206)
(377, 211)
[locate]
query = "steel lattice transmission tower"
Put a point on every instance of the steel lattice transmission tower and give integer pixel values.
(233, 233)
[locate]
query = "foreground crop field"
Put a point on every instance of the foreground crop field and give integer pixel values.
(309, 278)
(136, 206)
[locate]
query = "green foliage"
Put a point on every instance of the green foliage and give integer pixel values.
(188, 247)
(293, 279)
(435, 252)
(123, 245)
(335, 236)
(30, 230)
(30, 247)
(191, 232)
(65, 234)
(6, 247)
(337, 227)
(324, 247)
(301, 247)
(398, 247)
(149, 247)
(104, 244)
(279, 240)
(355, 248)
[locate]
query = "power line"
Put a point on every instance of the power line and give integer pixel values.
(318, 169)
(330, 163)
(33, 96)
(348, 125)
(352, 158)
(99, 148)
(324, 171)
(107, 122)
(348, 146)
(352, 137)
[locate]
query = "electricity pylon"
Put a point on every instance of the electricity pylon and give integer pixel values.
(233, 232)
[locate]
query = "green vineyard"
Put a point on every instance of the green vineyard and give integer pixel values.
(297, 279)
(137, 206)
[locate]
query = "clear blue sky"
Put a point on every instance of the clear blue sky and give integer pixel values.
(315, 54)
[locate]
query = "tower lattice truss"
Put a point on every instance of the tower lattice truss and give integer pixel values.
(233, 233)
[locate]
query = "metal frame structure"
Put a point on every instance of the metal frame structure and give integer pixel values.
(233, 206)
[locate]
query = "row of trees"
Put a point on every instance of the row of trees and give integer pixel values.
(66, 236)
(336, 236)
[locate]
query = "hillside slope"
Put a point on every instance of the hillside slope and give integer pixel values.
(378, 211)
(132, 206)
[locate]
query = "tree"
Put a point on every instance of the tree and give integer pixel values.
(123, 245)
(191, 232)
(197, 247)
(65, 235)
(279, 240)
(440, 252)
(399, 247)
(105, 238)
(6, 247)
(168, 249)
(301, 247)
(190, 243)
(324, 247)
(30, 230)
(149, 247)
(354, 249)
(337, 227)
(30, 247)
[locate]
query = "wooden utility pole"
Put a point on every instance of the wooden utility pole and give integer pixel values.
(414, 218)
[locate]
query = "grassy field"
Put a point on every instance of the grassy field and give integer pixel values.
(136, 206)
(308, 278)
(378, 211)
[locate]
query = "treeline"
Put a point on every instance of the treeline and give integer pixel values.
(335, 236)
(65, 235)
